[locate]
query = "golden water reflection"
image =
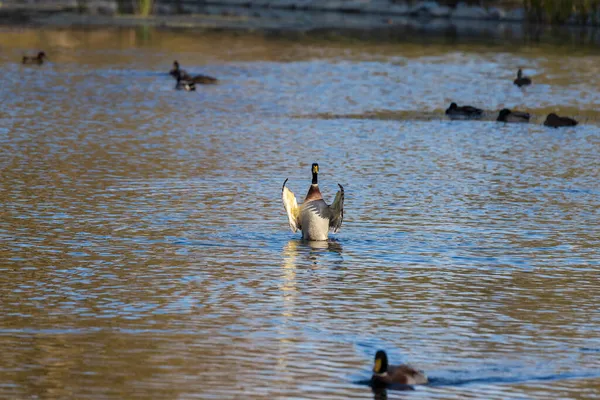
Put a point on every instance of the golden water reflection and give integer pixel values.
(145, 252)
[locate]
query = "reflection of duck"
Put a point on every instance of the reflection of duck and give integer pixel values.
(386, 374)
(297, 246)
(39, 59)
(507, 115)
(555, 121)
(314, 217)
(304, 253)
(521, 80)
(454, 111)
(290, 252)
(379, 393)
(329, 245)
(178, 73)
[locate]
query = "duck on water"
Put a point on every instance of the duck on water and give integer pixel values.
(179, 73)
(463, 112)
(554, 121)
(314, 217)
(38, 59)
(507, 115)
(385, 374)
(522, 80)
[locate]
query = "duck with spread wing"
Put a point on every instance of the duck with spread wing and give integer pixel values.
(314, 217)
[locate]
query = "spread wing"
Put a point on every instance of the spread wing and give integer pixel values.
(337, 211)
(291, 207)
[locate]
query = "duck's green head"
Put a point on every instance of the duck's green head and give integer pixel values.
(315, 171)
(381, 362)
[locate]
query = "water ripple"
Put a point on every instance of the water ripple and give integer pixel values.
(146, 252)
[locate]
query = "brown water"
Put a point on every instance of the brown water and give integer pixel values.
(146, 254)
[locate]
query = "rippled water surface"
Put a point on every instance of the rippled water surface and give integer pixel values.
(146, 254)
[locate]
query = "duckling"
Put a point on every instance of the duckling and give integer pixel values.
(456, 112)
(507, 115)
(521, 80)
(202, 79)
(399, 374)
(555, 121)
(39, 59)
(314, 217)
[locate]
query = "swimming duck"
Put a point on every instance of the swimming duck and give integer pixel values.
(555, 121)
(39, 59)
(521, 80)
(507, 115)
(202, 79)
(456, 112)
(314, 217)
(399, 374)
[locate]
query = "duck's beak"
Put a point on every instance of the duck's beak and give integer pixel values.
(377, 366)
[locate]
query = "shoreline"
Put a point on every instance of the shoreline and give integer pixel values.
(306, 22)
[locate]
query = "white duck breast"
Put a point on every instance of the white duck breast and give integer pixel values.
(314, 217)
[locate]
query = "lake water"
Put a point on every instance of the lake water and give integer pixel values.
(146, 253)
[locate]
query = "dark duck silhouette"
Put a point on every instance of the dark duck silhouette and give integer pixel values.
(183, 84)
(507, 115)
(464, 112)
(39, 59)
(521, 80)
(555, 121)
(177, 72)
(385, 374)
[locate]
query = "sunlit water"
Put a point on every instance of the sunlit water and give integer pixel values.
(146, 253)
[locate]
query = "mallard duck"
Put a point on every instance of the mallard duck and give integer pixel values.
(555, 121)
(386, 374)
(521, 80)
(314, 217)
(507, 115)
(456, 112)
(39, 59)
(202, 79)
